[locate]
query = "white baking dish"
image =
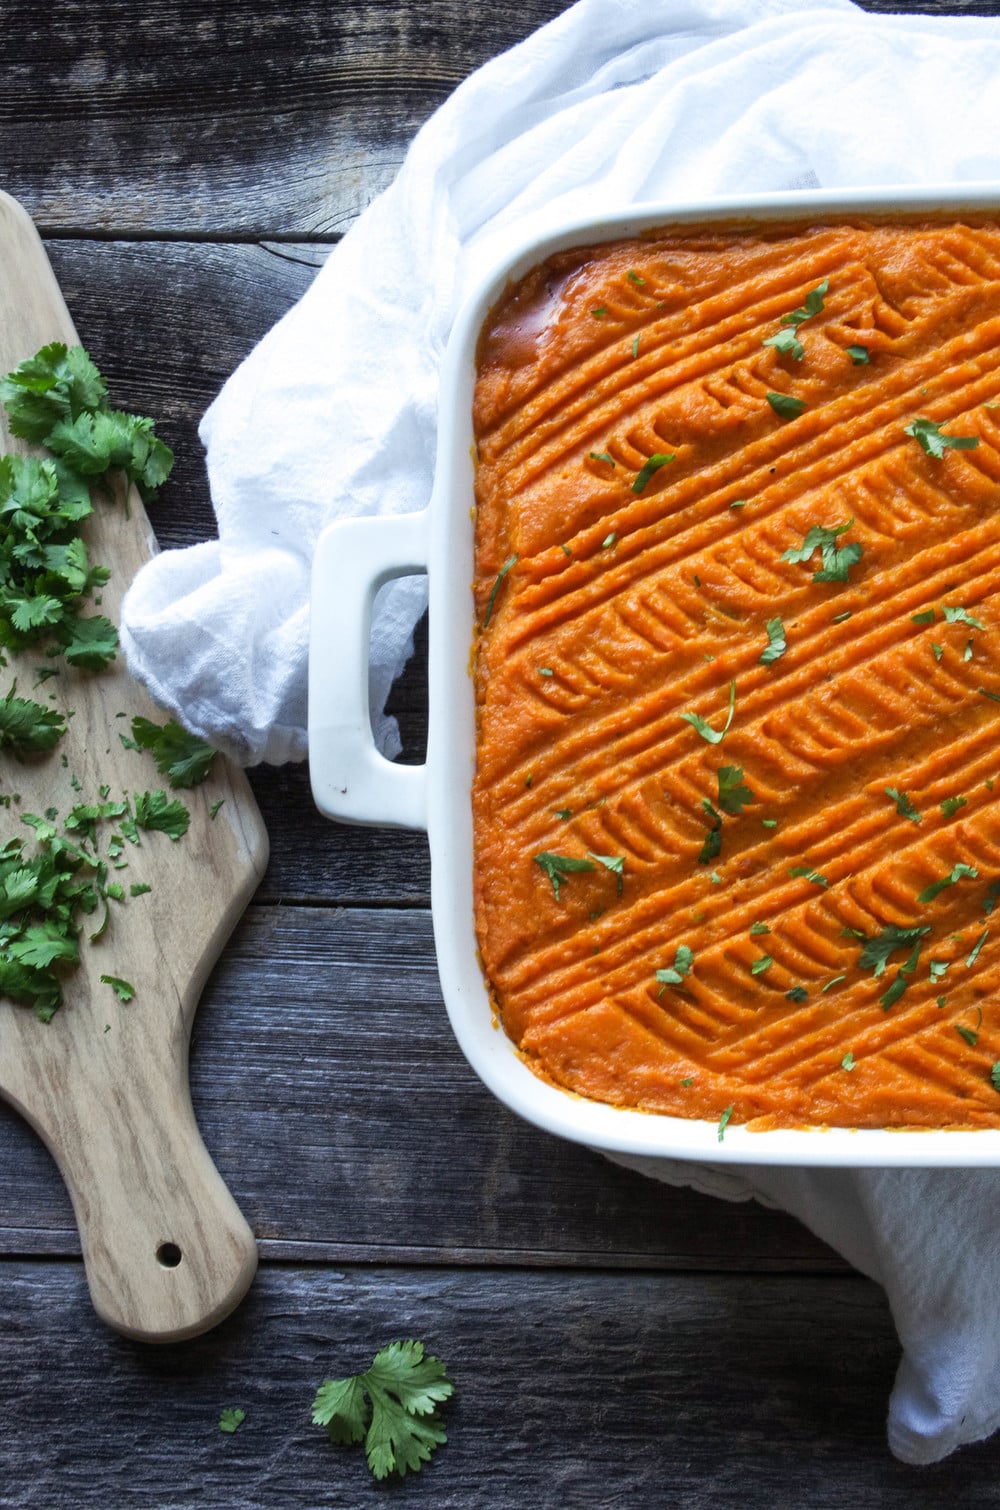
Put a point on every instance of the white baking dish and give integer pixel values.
(353, 783)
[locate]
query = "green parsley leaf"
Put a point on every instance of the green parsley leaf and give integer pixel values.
(705, 729)
(812, 305)
(875, 954)
(958, 873)
(816, 876)
(904, 807)
(954, 614)
(656, 461)
(712, 846)
(785, 406)
(786, 343)
(232, 1419)
(933, 440)
(182, 757)
(558, 867)
(614, 863)
(511, 560)
(155, 811)
(733, 793)
(123, 989)
(776, 646)
(392, 1407)
(980, 941)
(673, 975)
(837, 560)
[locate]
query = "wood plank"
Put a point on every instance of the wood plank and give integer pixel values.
(227, 119)
(230, 122)
(348, 1125)
(572, 1392)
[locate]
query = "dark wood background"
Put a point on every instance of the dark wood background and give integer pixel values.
(614, 1342)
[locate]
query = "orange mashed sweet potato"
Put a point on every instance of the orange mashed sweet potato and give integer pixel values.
(737, 579)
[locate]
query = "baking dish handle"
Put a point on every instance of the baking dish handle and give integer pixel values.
(351, 780)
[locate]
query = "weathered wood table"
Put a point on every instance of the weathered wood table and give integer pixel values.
(613, 1342)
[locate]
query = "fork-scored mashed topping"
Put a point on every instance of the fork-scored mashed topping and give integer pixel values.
(737, 799)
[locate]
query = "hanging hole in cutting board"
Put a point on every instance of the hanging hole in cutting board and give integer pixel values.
(168, 1255)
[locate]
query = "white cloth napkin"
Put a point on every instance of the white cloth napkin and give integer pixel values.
(334, 413)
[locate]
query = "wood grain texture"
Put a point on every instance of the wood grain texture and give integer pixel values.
(342, 1114)
(573, 1392)
(105, 1085)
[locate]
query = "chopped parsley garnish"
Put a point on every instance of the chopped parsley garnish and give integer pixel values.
(817, 877)
(758, 928)
(951, 805)
(970, 1035)
(27, 727)
(635, 346)
(760, 965)
(602, 456)
(937, 969)
(797, 994)
(614, 863)
(812, 305)
(848, 1062)
(995, 1075)
(712, 846)
(933, 440)
(980, 941)
(786, 343)
(123, 989)
(785, 406)
(875, 954)
(904, 807)
(927, 616)
(955, 614)
(183, 758)
(656, 461)
(391, 1407)
(958, 873)
(776, 646)
(858, 354)
(673, 975)
(558, 867)
(734, 794)
(992, 894)
(837, 560)
(511, 560)
(724, 1121)
(705, 729)
(633, 276)
(599, 312)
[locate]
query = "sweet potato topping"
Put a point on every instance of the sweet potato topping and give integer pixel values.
(737, 804)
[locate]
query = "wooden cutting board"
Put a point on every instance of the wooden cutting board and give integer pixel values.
(105, 1084)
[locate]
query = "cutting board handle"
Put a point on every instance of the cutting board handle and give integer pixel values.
(168, 1253)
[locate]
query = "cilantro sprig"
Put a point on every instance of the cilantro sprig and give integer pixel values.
(933, 441)
(182, 757)
(837, 560)
(392, 1407)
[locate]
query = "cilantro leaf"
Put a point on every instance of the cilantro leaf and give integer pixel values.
(56, 383)
(392, 1407)
(876, 952)
(776, 646)
(27, 727)
(614, 863)
(904, 807)
(785, 406)
(155, 811)
(232, 1418)
(958, 873)
(786, 343)
(511, 561)
(673, 975)
(712, 846)
(955, 614)
(558, 867)
(858, 355)
(182, 757)
(89, 643)
(933, 441)
(812, 305)
(705, 729)
(656, 461)
(733, 793)
(807, 873)
(125, 991)
(837, 560)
